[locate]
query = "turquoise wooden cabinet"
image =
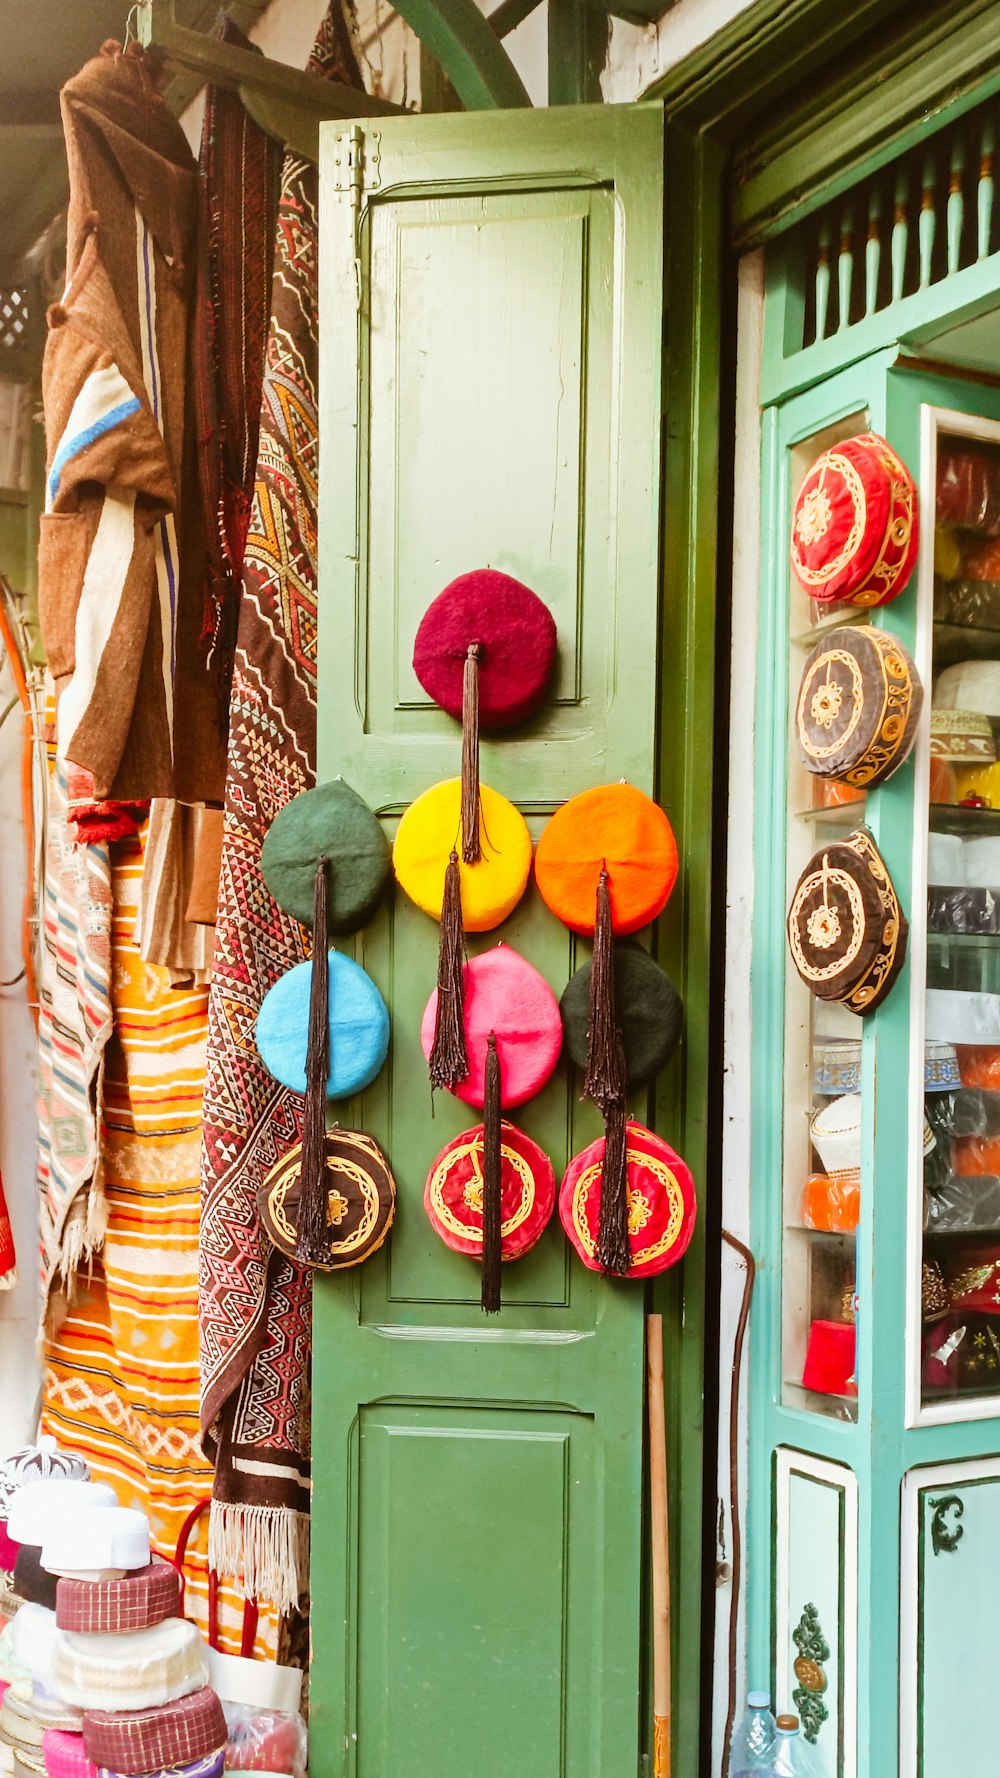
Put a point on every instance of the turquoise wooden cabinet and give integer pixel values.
(874, 1474)
(491, 393)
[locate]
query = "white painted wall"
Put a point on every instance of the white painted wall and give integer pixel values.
(739, 921)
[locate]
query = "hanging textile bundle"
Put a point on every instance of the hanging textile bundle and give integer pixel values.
(660, 1198)
(429, 865)
(606, 864)
(513, 1036)
(326, 861)
(484, 651)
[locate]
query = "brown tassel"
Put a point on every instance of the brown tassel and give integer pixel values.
(449, 1061)
(491, 1181)
(605, 1084)
(614, 1250)
(313, 1245)
(471, 809)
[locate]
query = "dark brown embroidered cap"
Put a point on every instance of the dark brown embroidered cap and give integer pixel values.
(846, 929)
(360, 1199)
(858, 706)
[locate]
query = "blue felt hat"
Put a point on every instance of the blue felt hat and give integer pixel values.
(358, 1023)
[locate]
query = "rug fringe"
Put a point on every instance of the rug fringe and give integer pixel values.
(265, 1548)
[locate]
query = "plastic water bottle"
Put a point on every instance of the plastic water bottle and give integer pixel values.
(791, 1756)
(753, 1740)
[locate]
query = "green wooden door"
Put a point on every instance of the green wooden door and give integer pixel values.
(491, 318)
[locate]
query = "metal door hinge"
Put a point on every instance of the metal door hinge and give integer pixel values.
(356, 163)
(356, 169)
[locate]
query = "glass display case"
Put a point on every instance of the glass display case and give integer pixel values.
(822, 1059)
(955, 974)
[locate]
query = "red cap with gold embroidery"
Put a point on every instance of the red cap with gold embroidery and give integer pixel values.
(453, 1195)
(855, 527)
(661, 1202)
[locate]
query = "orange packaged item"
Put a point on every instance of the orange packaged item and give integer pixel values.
(943, 784)
(977, 1154)
(832, 795)
(832, 1202)
(979, 1066)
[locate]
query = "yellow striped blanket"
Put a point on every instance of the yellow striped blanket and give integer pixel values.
(121, 1383)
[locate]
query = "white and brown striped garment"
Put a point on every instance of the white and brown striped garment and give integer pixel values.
(121, 558)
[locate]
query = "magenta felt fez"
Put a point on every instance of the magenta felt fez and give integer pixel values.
(516, 635)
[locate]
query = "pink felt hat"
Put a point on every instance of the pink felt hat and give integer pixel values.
(505, 995)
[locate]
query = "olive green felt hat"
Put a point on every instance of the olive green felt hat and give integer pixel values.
(332, 822)
(650, 1012)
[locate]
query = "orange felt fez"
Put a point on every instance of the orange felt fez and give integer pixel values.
(855, 526)
(661, 1202)
(616, 827)
(453, 1195)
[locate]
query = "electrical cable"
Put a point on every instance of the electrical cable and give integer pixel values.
(734, 1479)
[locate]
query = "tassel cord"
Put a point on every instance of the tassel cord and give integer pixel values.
(471, 800)
(449, 1061)
(605, 1083)
(492, 1210)
(312, 1245)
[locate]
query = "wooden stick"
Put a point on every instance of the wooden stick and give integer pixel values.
(660, 1546)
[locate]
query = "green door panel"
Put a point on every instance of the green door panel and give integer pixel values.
(491, 318)
(958, 1557)
(505, 1540)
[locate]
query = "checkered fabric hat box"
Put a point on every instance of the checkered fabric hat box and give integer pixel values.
(138, 1742)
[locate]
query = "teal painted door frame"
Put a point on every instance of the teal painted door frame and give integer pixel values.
(881, 1447)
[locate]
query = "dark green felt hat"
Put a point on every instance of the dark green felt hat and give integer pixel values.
(650, 1012)
(332, 822)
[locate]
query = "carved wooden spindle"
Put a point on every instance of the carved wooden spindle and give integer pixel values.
(927, 228)
(956, 206)
(873, 251)
(823, 278)
(984, 195)
(845, 269)
(900, 235)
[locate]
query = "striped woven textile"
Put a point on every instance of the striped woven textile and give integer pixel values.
(121, 1380)
(74, 1025)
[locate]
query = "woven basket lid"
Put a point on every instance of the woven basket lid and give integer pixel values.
(855, 528)
(846, 930)
(358, 1022)
(431, 828)
(661, 1202)
(858, 706)
(331, 822)
(360, 1201)
(453, 1194)
(516, 636)
(504, 994)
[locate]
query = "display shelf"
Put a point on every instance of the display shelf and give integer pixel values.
(834, 618)
(842, 815)
(961, 642)
(951, 818)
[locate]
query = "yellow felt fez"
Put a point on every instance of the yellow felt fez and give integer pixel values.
(431, 829)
